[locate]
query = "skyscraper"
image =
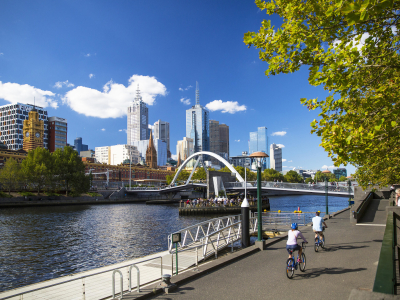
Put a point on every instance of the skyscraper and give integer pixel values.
(197, 125)
(259, 142)
(57, 133)
(276, 157)
(138, 120)
(161, 131)
(219, 140)
(224, 139)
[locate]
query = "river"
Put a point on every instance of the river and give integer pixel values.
(41, 243)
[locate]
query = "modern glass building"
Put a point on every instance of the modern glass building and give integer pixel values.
(259, 142)
(161, 131)
(138, 120)
(197, 125)
(276, 157)
(57, 133)
(340, 172)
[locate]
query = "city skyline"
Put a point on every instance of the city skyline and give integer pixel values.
(85, 67)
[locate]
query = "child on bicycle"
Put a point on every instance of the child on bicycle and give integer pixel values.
(317, 222)
(291, 244)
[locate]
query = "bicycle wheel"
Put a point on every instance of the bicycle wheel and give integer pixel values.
(303, 263)
(290, 268)
(323, 242)
(316, 245)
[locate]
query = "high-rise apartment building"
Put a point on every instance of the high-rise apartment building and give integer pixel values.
(138, 120)
(115, 155)
(57, 133)
(197, 125)
(224, 138)
(214, 137)
(276, 157)
(259, 142)
(161, 132)
(340, 172)
(219, 140)
(11, 124)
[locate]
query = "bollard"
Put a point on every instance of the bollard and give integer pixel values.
(245, 223)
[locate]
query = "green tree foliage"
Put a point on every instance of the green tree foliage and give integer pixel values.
(251, 176)
(342, 178)
(293, 177)
(352, 49)
(200, 174)
(183, 176)
(271, 175)
(309, 180)
(70, 170)
(319, 176)
(10, 175)
(37, 168)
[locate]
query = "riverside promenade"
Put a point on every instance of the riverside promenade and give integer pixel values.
(344, 270)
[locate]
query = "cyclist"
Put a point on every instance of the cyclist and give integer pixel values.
(317, 226)
(291, 244)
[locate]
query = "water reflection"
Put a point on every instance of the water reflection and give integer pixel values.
(48, 242)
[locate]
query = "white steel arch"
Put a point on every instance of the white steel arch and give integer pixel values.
(225, 162)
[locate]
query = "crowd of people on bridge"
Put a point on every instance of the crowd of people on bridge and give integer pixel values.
(220, 202)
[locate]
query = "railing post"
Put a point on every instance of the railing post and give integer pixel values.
(137, 280)
(172, 264)
(113, 283)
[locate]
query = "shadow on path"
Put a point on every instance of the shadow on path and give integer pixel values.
(344, 247)
(316, 272)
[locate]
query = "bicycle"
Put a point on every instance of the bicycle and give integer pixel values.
(292, 265)
(319, 243)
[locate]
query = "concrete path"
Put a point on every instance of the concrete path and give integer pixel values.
(349, 262)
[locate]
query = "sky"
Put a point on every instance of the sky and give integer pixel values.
(82, 61)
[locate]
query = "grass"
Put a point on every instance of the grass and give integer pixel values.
(94, 194)
(27, 194)
(5, 195)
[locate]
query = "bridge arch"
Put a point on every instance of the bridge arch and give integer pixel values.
(216, 156)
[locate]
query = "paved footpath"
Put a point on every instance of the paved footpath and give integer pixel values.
(348, 262)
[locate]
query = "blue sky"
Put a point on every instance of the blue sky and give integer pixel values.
(82, 61)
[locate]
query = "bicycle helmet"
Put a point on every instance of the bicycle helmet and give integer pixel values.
(294, 226)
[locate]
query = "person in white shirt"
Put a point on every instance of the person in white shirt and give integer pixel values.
(291, 244)
(317, 222)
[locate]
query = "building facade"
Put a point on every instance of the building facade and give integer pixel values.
(79, 146)
(33, 131)
(161, 149)
(151, 154)
(116, 155)
(161, 132)
(137, 120)
(240, 160)
(340, 172)
(259, 142)
(57, 133)
(197, 125)
(11, 124)
(276, 157)
(219, 141)
(224, 139)
(184, 148)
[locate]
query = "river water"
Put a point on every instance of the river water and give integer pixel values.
(41, 243)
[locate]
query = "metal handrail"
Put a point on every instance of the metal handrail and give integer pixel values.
(113, 283)
(138, 278)
(78, 278)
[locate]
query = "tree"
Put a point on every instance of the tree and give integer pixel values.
(308, 180)
(342, 178)
(37, 167)
(183, 176)
(251, 176)
(352, 49)
(10, 175)
(293, 177)
(271, 175)
(69, 169)
(200, 174)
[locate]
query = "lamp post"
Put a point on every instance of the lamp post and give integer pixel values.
(259, 156)
(245, 214)
(130, 166)
(326, 196)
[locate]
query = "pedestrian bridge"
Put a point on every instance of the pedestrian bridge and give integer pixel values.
(290, 188)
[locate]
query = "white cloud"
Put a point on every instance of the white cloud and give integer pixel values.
(284, 166)
(280, 133)
(284, 159)
(186, 88)
(324, 167)
(290, 160)
(185, 101)
(1, 53)
(237, 140)
(226, 107)
(115, 98)
(103, 129)
(151, 127)
(60, 84)
(91, 75)
(122, 130)
(87, 55)
(174, 156)
(24, 93)
(280, 145)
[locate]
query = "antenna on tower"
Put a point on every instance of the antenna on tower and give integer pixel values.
(197, 94)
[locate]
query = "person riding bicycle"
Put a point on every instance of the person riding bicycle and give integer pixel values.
(291, 244)
(317, 226)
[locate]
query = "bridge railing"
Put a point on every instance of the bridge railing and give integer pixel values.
(292, 186)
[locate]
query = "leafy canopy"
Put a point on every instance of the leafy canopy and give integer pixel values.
(351, 48)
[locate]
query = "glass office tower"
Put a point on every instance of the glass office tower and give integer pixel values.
(259, 142)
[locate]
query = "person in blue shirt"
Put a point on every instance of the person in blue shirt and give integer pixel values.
(317, 222)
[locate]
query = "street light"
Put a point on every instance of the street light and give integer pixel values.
(245, 213)
(259, 156)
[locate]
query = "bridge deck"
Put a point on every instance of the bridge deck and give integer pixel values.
(349, 262)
